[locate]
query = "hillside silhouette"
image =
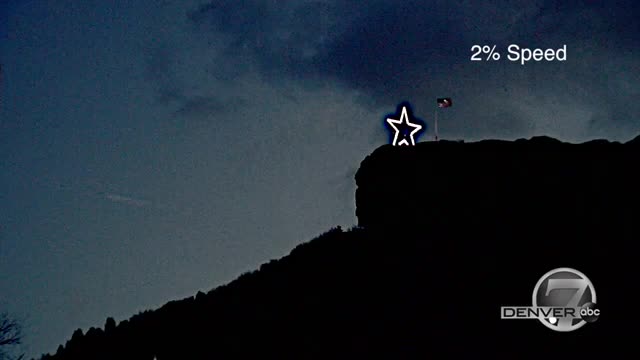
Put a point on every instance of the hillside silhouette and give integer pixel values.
(447, 233)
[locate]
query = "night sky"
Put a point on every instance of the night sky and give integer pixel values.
(152, 149)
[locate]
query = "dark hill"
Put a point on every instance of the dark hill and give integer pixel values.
(448, 233)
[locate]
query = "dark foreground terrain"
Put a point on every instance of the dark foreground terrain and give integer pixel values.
(448, 233)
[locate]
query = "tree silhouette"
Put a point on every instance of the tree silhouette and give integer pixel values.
(110, 325)
(10, 336)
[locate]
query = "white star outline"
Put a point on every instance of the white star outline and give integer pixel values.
(403, 117)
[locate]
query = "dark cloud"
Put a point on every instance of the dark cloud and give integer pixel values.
(286, 38)
(169, 95)
(160, 72)
(175, 92)
(419, 50)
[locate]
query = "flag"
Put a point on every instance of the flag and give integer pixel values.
(444, 102)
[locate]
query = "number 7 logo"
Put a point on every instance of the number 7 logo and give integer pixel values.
(567, 288)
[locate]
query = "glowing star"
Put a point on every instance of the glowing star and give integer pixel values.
(404, 133)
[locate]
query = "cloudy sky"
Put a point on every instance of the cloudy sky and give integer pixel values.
(151, 149)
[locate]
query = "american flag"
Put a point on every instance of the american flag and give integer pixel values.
(444, 102)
